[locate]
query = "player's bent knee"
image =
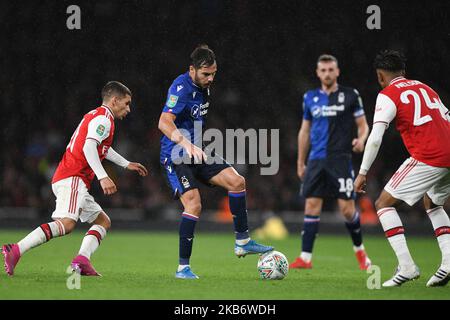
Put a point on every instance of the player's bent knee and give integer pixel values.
(348, 214)
(194, 208)
(69, 225)
(107, 222)
(428, 203)
(237, 183)
(312, 207)
(381, 203)
(348, 210)
(385, 200)
(103, 220)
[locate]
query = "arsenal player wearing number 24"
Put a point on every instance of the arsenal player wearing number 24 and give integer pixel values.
(424, 125)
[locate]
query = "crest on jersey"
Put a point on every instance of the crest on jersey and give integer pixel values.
(341, 97)
(195, 111)
(172, 101)
(100, 130)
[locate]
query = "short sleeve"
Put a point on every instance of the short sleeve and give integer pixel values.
(306, 111)
(176, 100)
(99, 128)
(385, 109)
(358, 108)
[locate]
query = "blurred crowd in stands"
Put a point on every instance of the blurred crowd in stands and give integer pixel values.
(52, 76)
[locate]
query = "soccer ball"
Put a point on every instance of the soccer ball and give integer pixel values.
(273, 265)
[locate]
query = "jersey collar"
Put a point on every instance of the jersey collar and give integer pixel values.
(323, 92)
(109, 110)
(397, 79)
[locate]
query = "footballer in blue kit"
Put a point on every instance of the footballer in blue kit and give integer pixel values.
(186, 165)
(329, 116)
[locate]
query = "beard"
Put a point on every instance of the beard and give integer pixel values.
(198, 82)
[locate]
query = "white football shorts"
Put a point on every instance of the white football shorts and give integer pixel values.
(414, 178)
(74, 201)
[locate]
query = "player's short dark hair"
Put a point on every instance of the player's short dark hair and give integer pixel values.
(114, 88)
(327, 58)
(390, 60)
(202, 56)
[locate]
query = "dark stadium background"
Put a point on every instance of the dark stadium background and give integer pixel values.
(266, 52)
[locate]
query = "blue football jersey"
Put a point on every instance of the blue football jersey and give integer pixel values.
(190, 104)
(332, 120)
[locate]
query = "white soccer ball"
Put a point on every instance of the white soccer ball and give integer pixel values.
(273, 265)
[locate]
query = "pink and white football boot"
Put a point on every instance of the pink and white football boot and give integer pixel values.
(83, 266)
(11, 254)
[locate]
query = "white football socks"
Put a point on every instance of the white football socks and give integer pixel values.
(441, 226)
(92, 240)
(40, 235)
(182, 266)
(242, 242)
(358, 248)
(306, 256)
(393, 229)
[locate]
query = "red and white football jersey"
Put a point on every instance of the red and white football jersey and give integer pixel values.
(97, 124)
(421, 118)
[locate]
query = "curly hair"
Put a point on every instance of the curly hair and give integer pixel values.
(390, 60)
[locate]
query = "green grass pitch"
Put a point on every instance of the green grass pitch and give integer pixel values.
(141, 265)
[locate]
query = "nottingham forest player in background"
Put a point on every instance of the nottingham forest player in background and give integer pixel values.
(90, 144)
(185, 162)
(329, 115)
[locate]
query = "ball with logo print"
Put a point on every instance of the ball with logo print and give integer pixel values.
(273, 265)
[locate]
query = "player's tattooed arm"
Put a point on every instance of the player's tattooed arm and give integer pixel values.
(303, 147)
(167, 126)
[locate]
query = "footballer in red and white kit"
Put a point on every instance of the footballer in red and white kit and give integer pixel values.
(73, 176)
(424, 125)
(81, 162)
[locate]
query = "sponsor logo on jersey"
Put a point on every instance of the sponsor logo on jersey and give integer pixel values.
(197, 111)
(179, 88)
(326, 111)
(172, 101)
(105, 150)
(100, 130)
(316, 111)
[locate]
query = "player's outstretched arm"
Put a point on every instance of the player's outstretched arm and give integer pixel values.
(167, 126)
(139, 168)
(119, 160)
(303, 147)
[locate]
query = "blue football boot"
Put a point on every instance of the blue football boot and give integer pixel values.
(186, 273)
(251, 247)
